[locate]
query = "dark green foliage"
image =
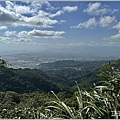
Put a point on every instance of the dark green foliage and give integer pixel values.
(60, 77)
(26, 80)
(84, 72)
(3, 64)
(14, 105)
(8, 100)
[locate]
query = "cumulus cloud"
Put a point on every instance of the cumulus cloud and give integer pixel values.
(29, 14)
(58, 13)
(36, 21)
(98, 9)
(91, 23)
(15, 19)
(28, 7)
(64, 9)
(117, 36)
(107, 21)
(41, 33)
(38, 5)
(22, 9)
(7, 16)
(117, 26)
(3, 27)
(10, 33)
(14, 40)
(114, 37)
(15, 15)
(42, 13)
(70, 9)
(62, 21)
(50, 7)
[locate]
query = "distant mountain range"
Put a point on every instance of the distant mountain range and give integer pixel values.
(33, 59)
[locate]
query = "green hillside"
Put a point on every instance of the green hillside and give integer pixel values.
(58, 76)
(26, 80)
(84, 72)
(102, 101)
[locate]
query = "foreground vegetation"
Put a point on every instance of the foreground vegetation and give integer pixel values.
(101, 101)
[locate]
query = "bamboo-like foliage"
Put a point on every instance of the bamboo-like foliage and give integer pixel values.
(61, 109)
(100, 102)
(111, 90)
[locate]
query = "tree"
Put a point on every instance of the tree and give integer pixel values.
(3, 63)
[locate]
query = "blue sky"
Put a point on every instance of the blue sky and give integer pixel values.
(37, 26)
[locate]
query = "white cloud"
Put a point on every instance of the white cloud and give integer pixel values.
(50, 7)
(7, 16)
(10, 33)
(15, 15)
(58, 13)
(9, 5)
(22, 40)
(22, 9)
(117, 26)
(15, 19)
(98, 9)
(92, 7)
(36, 4)
(62, 21)
(39, 4)
(42, 13)
(70, 9)
(107, 21)
(114, 37)
(41, 33)
(33, 7)
(37, 21)
(64, 9)
(117, 36)
(14, 40)
(3, 27)
(23, 34)
(87, 24)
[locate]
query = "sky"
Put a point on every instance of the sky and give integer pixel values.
(36, 26)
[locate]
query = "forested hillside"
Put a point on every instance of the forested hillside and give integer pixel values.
(58, 76)
(34, 94)
(27, 80)
(84, 72)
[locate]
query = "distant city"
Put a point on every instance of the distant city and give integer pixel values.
(32, 60)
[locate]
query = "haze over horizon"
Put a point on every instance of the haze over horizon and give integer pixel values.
(75, 26)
